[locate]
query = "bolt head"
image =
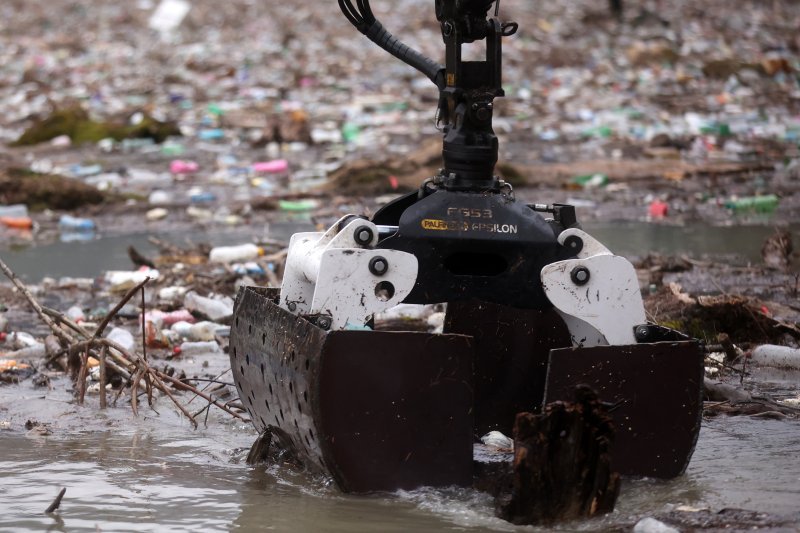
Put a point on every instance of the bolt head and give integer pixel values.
(378, 266)
(363, 235)
(580, 275)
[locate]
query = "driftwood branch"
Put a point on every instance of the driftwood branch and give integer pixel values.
(57, 331)
(129, 365)
(57, 502)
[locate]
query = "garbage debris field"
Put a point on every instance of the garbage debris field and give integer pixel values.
(164, 117)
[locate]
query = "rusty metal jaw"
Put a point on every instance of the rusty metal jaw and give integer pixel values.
(596, 293)
(340, 279)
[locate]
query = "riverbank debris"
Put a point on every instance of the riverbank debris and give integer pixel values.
(78, 346)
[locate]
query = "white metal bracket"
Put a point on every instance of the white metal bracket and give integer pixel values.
(338, 275)
(597, 293)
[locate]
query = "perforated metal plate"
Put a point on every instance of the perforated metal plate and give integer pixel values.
(376, 410)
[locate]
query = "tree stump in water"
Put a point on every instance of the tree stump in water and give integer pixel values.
(562, 463)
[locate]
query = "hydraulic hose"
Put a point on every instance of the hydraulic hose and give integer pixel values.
(365, 22)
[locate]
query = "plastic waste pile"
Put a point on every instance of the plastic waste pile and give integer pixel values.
(259, 111)
(187, 310)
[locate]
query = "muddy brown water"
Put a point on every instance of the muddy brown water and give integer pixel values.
(155, 473)
(152, 474)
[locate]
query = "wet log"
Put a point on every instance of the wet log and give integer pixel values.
(562, 463)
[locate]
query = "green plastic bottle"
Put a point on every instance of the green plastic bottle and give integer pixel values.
(753, 204)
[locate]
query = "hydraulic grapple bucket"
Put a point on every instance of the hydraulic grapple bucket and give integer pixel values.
(382, 410)
(535, 306)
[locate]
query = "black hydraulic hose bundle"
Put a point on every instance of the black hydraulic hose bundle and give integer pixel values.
(361, 16)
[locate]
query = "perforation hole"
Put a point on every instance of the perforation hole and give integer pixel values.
(247, 359)
(266, 402)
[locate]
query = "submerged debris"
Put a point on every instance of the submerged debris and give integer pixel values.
(562, 464)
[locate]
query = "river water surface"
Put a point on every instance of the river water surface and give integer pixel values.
(148, 477)
(156, 473)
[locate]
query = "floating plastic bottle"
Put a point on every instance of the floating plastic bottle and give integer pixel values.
(16, 223)
(215, 309)
(214, 134)
(160, 197)
(171, 293)
(754, 204)
(75, 314)
(122, 280)
(277, 166)
(15, 216)
(235, 254)
(182, 328)
(249, 268)
(76, 224)
(777, 356)
(202, 197)
(199, 348)
(589, 181)
(123, 337)
(298, 205)
(180, 166)
(20, 339)
(206, 331)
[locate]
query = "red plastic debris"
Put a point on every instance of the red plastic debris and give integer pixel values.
(393, 183)
(176, 351)
(658, 209)
(3, 336)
